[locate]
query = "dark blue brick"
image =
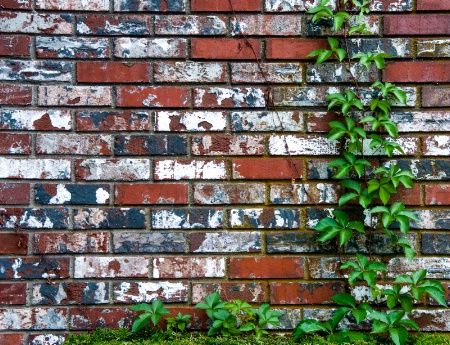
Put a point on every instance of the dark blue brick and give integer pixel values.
(72, 194)
(70, 293)
(297, 242)
(151, 5)
(115, 218)
(151, 145)
(268, 218)
(149, 242)
(34, 268)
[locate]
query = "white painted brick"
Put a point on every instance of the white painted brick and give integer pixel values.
(74, 95)
(180, 169)
(31, 119)
(191, 121)
(35, 168)
(291, 121)
(302, 145)
(115, 169)
(127, 47)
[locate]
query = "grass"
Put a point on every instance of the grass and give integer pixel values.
(159, 337)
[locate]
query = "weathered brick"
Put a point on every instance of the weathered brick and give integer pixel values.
(292, 5)
(419, 24)
(436, 320)
(249, 292)
(437, 194)
(267, 267)
(391, 5)
(266, 73)
(225, 49)
(13, 244)
(409, 196)
(236, 193)
(263, 218)
(190, 25)
(397, 47)
(150, 145)
(425, 169)
(167, 292)
(16, 5)
(325, 267)
(263, 168)
(92, 318)
(268, 121)
(187, 169)
(189, 267)
(223, 144)
(190, 121)
(435, 243)
(74, 5)
(17, 144)
(433, 5)
(145, 242)
(35, 70)
(70, 293)
(111, 218)
(14, 193)
(36, 23)
(201, 218)
(74, 242)
(224, 6)
(306, 193)
(417, 71)
(13, 293)
(293, 48)
(377, 243)
(150, 5)
(45, 169)
(367, 94)
(440, 266)
(74, 95)
(113, 72)
(302, 96)
(433, 48)
(34, 218)
(321, 28)
(435, 96)
(221, 97)
(336, 73)
(155, 193)
(72, 48)
(153, 96)
(313, 215)
(11, 45)
(417, 121)
(31, 119)
(134, 48)
(409, 144)
(34, 268)
(72, 194)
(304, 293)
(47, 338)
(129, 169)
(190, 72)
(266, 25)
(73, 144)
(113, 120)
(225, 242)
(298, 242)
(33, 319)
(111, 24)
(310, 145)
(11, 94)
(436, 145)
(319, 121)
(111, 267)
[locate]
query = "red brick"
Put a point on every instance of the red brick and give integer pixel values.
(423, 24)
(267, 267)
(14, 45)
(14, 293)
(225, 97)
(189, 267)
(15, 5)
(74, 242)
(437, 194)
(14, 193)
(293, 48)
(161, 193)
(304, 293)
(14, 244)
(93, 318)
(417, 71)
(74, 5)
(225, 49)
(229, 193)
(224, 6)
(113, 72)
(15, 143)
(163, 96)
(15, 94)
(433, 5)
(267, 168)
(409, 196)
(11, 339)
(435, 96)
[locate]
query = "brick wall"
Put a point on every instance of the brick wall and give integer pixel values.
(142, 156)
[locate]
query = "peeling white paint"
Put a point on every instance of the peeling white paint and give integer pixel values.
(192, 121)
(25, 119)
(230, 242)
(147, 292)
(62, 195)
(302, 145)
